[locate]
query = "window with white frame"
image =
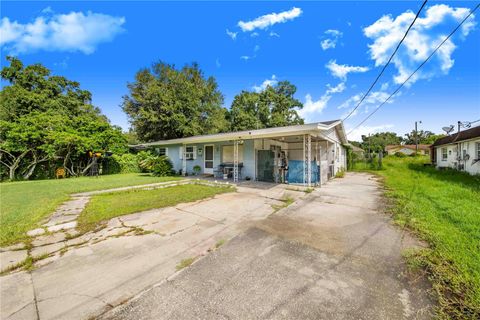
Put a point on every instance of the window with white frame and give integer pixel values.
(162, 151)
(190, 152)
(477, 151)
(444, 154)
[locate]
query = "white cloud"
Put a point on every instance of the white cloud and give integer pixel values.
(231, 34)
(47, 10)
(337, 89)
(274, 34)
(425, 35)
(342, 70)
(331, 41)
(254, 34)
(374, 98)
(356, 134)
(268, 20)
(62, 64)
(217, 63)
(255, 50)
(312, 108)
(267, 82)
(75, 31)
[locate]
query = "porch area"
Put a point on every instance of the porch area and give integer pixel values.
(306, 160)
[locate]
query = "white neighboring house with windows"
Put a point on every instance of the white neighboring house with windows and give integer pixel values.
(459, 151)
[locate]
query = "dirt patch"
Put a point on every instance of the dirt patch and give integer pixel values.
(302, 231)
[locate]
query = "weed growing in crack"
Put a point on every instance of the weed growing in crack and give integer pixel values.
(185, 263)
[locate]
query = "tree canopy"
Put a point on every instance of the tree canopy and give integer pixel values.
(49, 120)
(377, 142)
(166, 103)
(275, 106)
(424, 137)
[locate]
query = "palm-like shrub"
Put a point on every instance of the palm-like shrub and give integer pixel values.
(158, 165)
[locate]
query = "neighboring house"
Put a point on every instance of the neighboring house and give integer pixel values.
(459, 151)
(360, 153)
(306, 154)
(408, 149)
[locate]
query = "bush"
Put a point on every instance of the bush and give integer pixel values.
(159, 166)
(141, 157)
(125, 163)
(399, 154)
(340, 173)
(197, 169)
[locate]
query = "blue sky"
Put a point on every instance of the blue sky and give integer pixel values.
(332, 51)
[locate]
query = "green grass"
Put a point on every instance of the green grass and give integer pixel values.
(185, 263)
(24, 204)
(219, 243)
(286, 201)
(103, 207)
(442, 207)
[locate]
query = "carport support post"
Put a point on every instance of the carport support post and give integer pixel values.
(184, 160)
(307, 160)
(235, 160)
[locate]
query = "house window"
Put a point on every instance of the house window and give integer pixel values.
(444, 154)
(477, 150)
(162, 151)
(189, 153)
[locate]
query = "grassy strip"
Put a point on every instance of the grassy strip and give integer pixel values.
(442, 207)
(285, 203)
(185, 263)
(24, 204)
(103, 207)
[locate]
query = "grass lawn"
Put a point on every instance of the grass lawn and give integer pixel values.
(442, 207)
(105, 206)
(24, 204)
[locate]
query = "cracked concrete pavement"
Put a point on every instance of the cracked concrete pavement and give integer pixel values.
(86, 275)
(331, 255)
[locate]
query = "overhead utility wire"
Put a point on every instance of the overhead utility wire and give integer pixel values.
(386, 65)
(418, 68)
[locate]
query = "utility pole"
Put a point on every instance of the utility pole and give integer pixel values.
(416, 137)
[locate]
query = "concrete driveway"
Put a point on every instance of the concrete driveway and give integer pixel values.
(90, 274)
(332, 255)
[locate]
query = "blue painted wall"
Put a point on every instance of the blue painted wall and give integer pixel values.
(248, 157)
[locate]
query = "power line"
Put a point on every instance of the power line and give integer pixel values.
(388, 62)
(418, 68)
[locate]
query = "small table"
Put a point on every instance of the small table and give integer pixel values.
(227, 168)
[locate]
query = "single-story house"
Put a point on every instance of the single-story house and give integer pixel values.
(459, 151)
(307, 154)
(408, 149)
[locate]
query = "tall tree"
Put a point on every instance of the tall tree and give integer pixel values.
(275, 106)
(47, 118)
(424, 137)
(165, 103)
(377, 142)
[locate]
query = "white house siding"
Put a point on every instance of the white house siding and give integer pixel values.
(451, 162)
(337, 152)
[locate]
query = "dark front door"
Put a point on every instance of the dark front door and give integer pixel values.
(265, 160)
